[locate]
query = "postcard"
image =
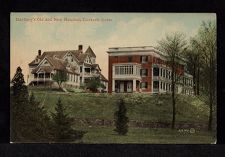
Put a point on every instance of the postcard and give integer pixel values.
(99, 78)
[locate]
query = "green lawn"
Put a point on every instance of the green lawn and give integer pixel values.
(140, 107)
(145, 135)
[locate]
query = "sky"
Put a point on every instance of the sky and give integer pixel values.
(30, 32)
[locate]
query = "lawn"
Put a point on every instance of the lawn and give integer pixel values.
(106, 135)
(140, 108)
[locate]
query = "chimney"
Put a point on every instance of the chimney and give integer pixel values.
(80, 47)
(39, 52)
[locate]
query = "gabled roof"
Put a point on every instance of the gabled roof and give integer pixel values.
(90, 52)
(56, 64)
(81, 57)
(103, 78)
(95, 66)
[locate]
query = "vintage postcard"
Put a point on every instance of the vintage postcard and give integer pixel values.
(113, 78)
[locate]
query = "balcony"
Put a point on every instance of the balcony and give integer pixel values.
(126, 71)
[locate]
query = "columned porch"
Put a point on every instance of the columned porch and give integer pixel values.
(126, 86)
(42, 78)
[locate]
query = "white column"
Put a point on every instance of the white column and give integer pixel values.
(113, 85)
(83, 73)
(134, 69)
(134, 85)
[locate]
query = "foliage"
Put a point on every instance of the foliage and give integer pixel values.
(60, 77)
(94, 83)
(173, 46)
(29, 122)
(62, 124)
(205, 42)
(121, 120)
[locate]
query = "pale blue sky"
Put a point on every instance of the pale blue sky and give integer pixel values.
(124, 29)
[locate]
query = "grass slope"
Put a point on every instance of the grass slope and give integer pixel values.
(140, 107)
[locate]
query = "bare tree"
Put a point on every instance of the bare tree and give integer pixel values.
(206, 42)
(173, 46)
(193, 57)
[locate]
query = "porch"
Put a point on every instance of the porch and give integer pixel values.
(126, 86)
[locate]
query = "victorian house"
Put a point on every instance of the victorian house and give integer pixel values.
(144, 69)
(80, 67)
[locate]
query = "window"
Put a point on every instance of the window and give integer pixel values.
(156, 84)
(161, 85)
(77, 79)
(129, 58)
(144, 72)
(144, 59)
(155, 71)
(144, 85)
(81, 69)
(164, 72)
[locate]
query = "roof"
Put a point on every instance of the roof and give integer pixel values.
(103, 78)
(81, 57)
(78, 54)
(95, 66)
(56, 64)
(90, 52)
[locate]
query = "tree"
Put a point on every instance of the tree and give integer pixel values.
(121, 120)
(193, 56)
(60, 77)
(94, 83)
(62, 124)
(18, 103)
(173, 46)
(29, 122)
(206, 43)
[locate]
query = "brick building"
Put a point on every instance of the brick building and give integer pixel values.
(144, 69)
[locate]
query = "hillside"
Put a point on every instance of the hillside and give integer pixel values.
(140, 107)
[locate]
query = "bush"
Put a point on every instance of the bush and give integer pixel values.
(121, 120)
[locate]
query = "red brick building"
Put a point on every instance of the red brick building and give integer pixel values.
(143, 69)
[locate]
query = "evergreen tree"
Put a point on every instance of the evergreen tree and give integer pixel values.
(29, 122)
(121, 120)
(63, 131)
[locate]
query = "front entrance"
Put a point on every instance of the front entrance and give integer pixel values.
(123, 86)
(129, 87)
